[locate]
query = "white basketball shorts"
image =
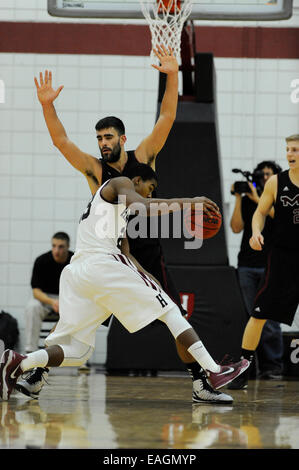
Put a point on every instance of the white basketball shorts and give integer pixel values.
(94, 286)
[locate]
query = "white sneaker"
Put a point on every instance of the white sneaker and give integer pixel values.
(204, 393)
(31, 383)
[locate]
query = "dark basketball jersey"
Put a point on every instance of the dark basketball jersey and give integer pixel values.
(147, 251)
(286, 219)
(108, 172)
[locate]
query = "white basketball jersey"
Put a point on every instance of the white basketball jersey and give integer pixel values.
(102, 226)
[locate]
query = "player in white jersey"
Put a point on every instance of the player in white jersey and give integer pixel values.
(103, 278)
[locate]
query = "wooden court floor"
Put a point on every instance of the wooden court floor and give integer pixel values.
(95, 411)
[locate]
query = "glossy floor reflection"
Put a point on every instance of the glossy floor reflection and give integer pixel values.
(98, 412)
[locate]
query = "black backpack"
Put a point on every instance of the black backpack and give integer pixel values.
(9, 331)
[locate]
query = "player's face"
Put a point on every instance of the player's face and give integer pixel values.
(293, 154)
(59, 250)
(145, 188)
(110, 144)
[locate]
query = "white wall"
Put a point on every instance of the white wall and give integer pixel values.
(41, 193)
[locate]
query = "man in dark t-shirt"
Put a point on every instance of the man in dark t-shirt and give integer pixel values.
(45, 287)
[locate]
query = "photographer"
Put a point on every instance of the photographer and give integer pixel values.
(251, 266)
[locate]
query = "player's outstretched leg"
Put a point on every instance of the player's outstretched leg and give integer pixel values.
(13, 364)
(217, 375)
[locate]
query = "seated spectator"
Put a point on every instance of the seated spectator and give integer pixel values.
(45, 287)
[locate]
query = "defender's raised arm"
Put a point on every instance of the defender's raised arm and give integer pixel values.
(47, 95)
(148, 149)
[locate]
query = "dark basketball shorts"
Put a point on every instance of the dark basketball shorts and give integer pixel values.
(278, 296)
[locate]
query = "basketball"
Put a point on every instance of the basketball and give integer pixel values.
(205, 226)
(169, 6)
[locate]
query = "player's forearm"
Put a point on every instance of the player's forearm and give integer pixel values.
(42, 296)
(258, 222)
(164, 206)
(170, 98)
(123, 188)
(54, 125)
(272, 212)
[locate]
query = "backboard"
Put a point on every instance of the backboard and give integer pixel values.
(246, 10)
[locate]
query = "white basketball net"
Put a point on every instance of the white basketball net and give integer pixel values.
(166, 20)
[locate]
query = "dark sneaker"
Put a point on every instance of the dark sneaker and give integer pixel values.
(31, 383)
(240, 383)
(227, 373)
(270, 375)
(204, 393)
(10, 371)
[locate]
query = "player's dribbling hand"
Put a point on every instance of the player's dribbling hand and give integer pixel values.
(168, 62)
(208, 206)
(256, 241)
(45, 93)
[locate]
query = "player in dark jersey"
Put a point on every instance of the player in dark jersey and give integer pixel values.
(251, 268)
(278, 297)
(115, 161)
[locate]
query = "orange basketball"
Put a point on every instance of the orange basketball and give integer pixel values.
(169, 5)
(200, 225)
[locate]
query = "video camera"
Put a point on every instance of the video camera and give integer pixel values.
(242, 187)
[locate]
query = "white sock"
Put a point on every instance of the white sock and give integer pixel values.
(201, 355)
(35, 359)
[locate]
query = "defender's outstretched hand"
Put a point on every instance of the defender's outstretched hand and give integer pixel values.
(168, 62)
(45, 93)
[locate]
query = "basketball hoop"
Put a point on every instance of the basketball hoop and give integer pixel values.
(166, 19)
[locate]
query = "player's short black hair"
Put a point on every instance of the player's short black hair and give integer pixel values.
(111, 121)
(144, 171)
(61, 236)
(270, 164)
